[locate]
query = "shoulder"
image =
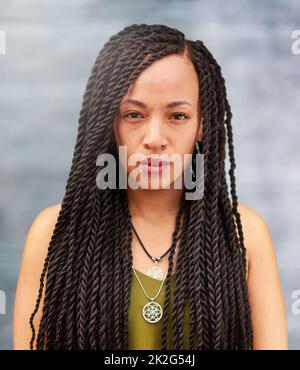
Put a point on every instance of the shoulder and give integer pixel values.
(266, 296)
(257, 235)
(253, 221)
(47, 216)
(34, 254)
(45, 221)
(40, 232)
(254, 226)
(36, 244)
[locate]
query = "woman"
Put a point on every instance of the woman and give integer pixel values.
(146, 267)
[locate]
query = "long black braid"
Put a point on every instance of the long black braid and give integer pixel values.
(87, 272)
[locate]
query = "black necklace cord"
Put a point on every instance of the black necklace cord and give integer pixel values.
(154, 258)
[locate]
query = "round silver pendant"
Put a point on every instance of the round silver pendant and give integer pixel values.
(152, 312)
(155, 272)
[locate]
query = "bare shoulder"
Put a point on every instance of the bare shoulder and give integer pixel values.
(47, 217)
(257, 235)
(34, 254)
(266, 296)
(254, 225)
(41, 229)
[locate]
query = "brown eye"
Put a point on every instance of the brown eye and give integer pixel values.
(180, 114)
(130, 114)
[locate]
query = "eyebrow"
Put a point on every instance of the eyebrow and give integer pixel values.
(143, 105)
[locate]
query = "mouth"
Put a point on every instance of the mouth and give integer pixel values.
(153, 164)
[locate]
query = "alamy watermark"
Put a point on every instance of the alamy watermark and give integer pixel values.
(186, 174)
(2, 303)
(296, 44)
(296, 302)
(2, 42)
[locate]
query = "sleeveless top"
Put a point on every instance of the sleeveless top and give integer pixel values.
(145, 335)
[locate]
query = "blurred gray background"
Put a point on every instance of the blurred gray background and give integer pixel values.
(50, 49)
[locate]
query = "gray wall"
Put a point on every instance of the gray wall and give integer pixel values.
(51, 46)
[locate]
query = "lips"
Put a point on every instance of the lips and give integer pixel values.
(154, 162)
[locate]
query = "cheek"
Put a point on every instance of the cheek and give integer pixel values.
(184, 148)
(121, 133)
(185, 138)
(130, 144)
(123, 138)
(128, 137)
(127, 140)
(185, 145)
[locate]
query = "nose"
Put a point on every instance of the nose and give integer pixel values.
(154, 139)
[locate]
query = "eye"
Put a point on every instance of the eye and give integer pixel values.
(130, 115)
(180, 114)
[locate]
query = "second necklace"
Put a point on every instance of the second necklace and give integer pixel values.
(154, 271)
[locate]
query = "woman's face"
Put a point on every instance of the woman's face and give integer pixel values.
(160, 117)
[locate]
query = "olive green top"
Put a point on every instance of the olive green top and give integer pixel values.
(145, 335)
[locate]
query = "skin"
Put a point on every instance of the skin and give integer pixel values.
(155, 129)
(171, 79)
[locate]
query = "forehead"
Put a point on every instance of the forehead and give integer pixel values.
(171, 78)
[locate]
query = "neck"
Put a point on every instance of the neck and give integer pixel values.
(154, 205)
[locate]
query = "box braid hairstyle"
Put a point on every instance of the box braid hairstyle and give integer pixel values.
(88, 269)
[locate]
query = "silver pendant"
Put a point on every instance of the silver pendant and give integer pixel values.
(155, 272)
(152, 312)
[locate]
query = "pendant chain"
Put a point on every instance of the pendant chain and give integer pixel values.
(152, 311)
(151, 299)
